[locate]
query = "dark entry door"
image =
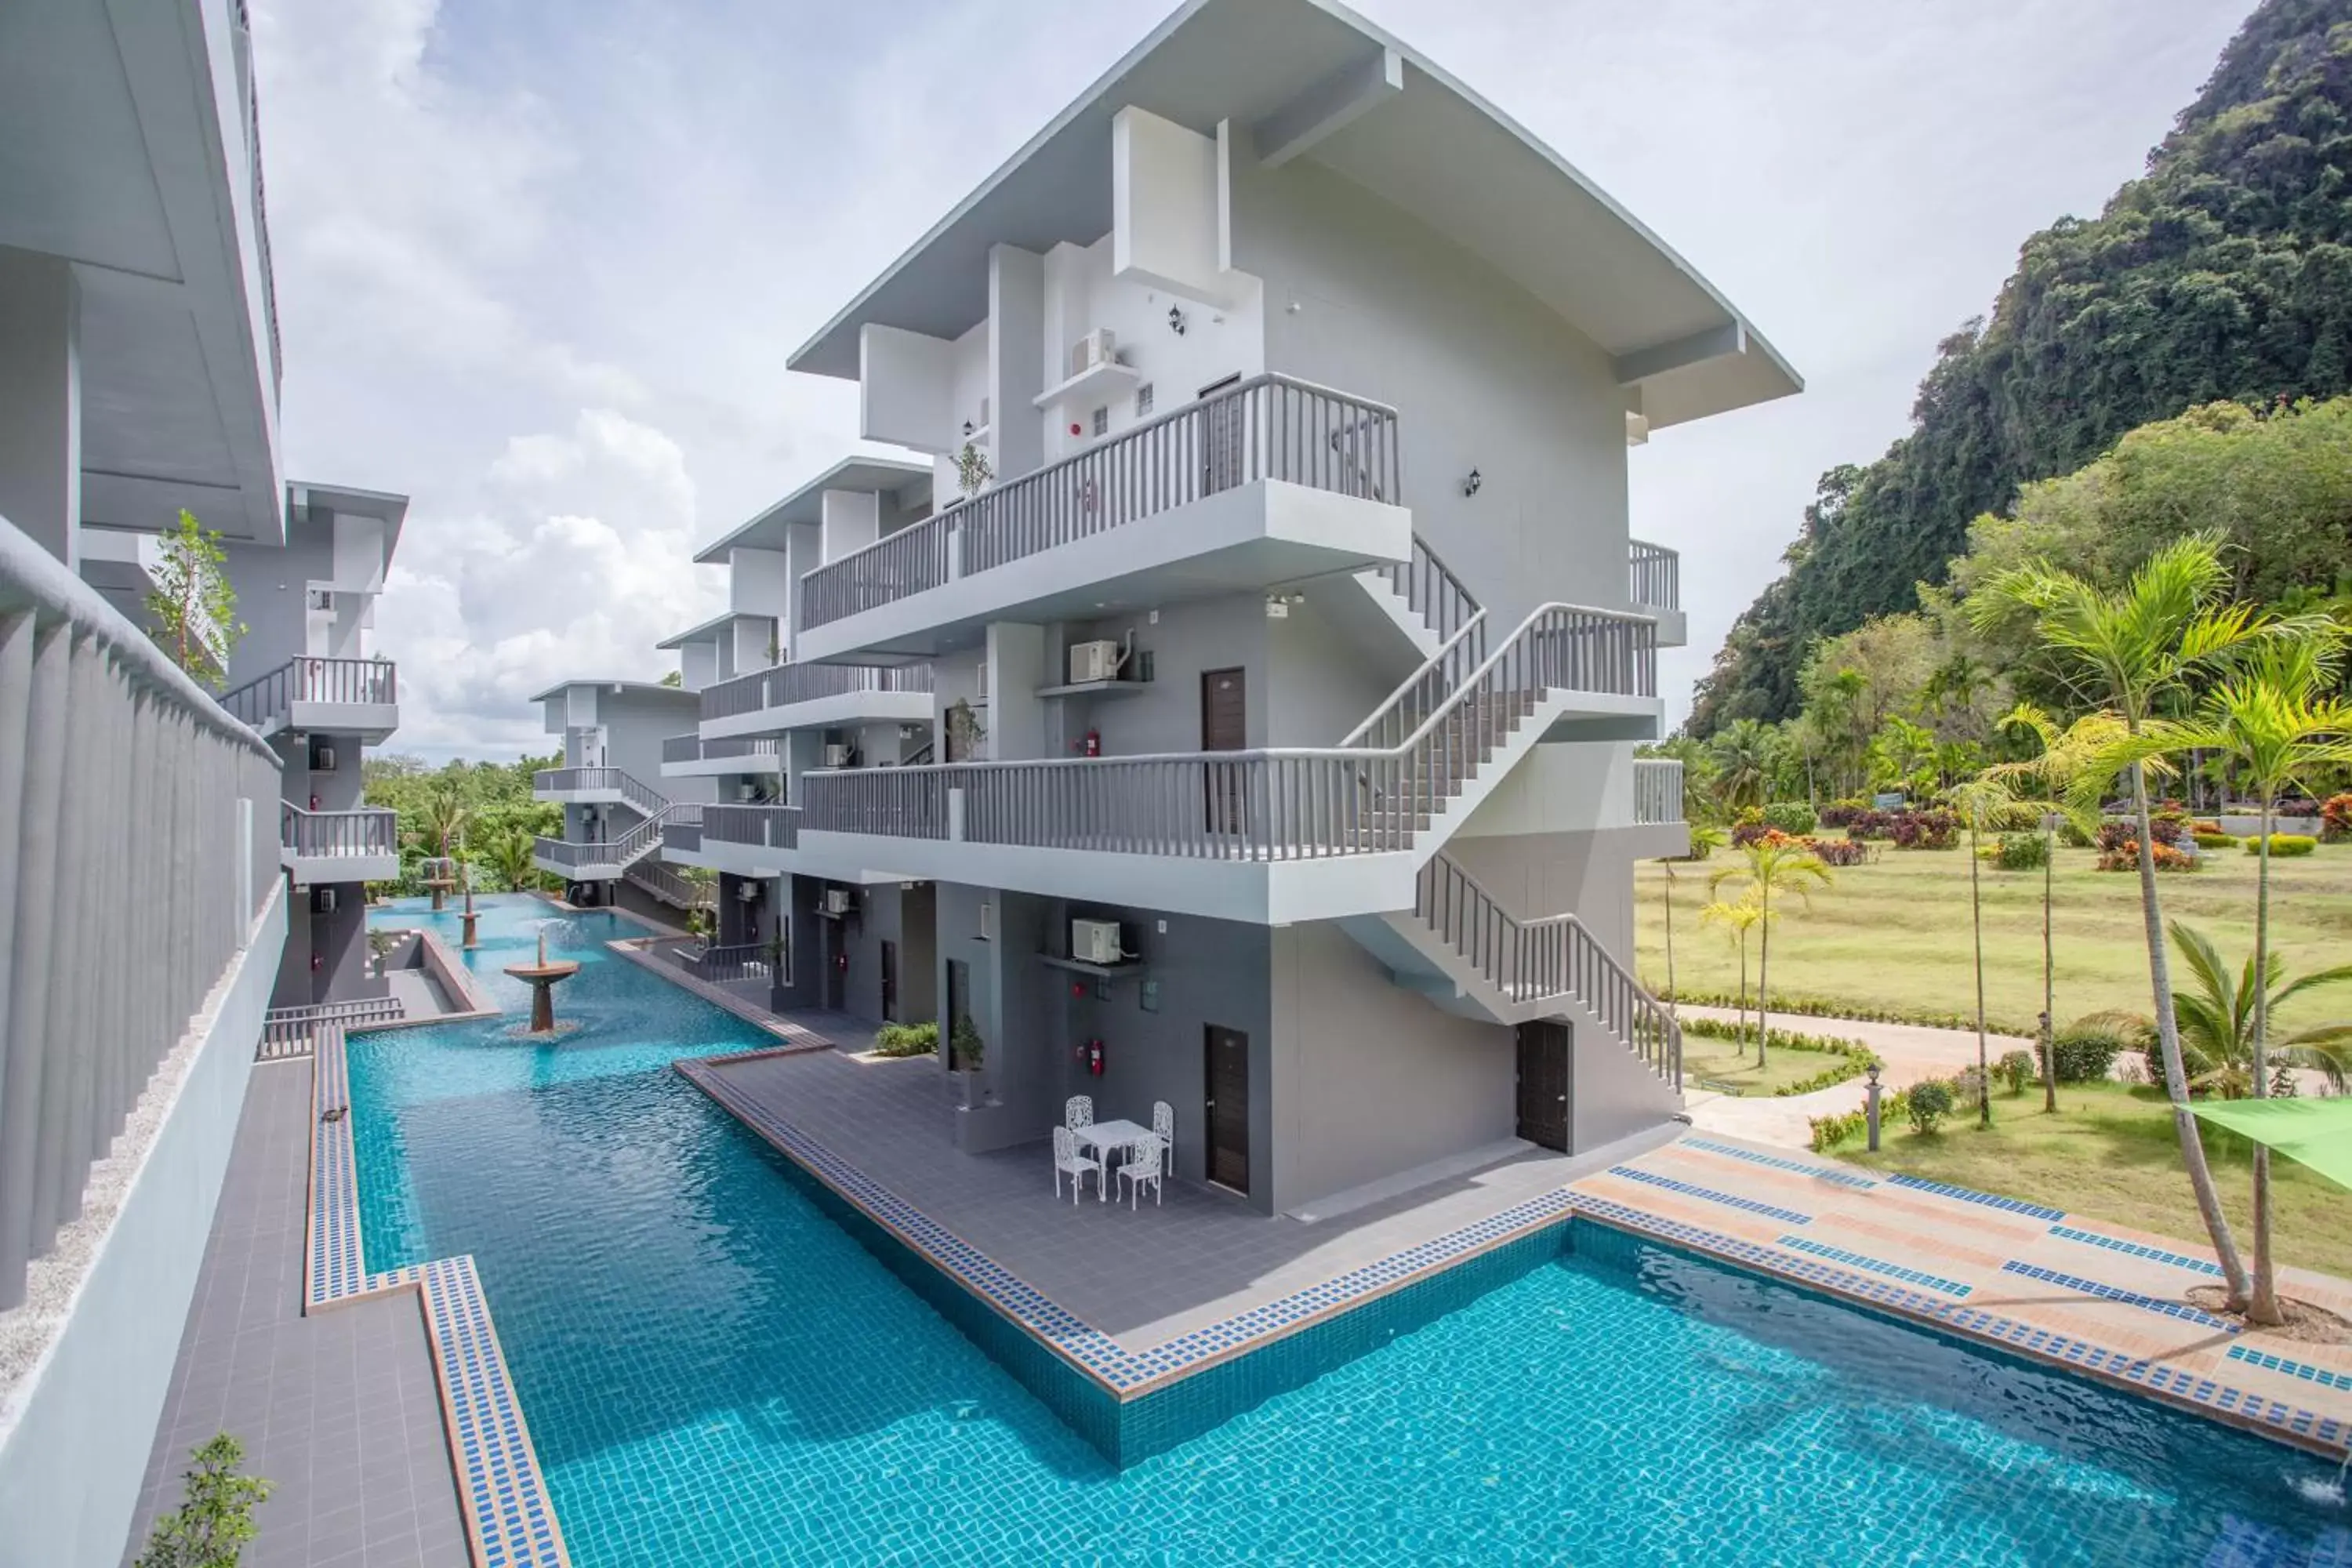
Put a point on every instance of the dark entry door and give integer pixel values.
(889, 982)
(1227, 1111)
(836, 966)
(1543, 1083)
(1224, 727)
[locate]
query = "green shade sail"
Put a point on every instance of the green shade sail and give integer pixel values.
(2319, 1132)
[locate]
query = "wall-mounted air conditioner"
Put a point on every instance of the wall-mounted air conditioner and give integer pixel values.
(322, 758)
(1094, 942)
(1096, 348)
(748, 891)
(322, 900)
(988, 922)
(838, 902)
(836, 756)
(1093, 661)
(320, 598)
(747, 792)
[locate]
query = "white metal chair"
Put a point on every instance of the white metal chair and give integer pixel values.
(1142, 1164)
(1066, 1158)
(1163, 1127)
(1077, 1111)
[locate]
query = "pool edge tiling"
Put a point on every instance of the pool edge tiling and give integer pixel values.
(510, 1520)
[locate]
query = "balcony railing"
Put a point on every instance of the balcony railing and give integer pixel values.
(136, 866)
(1371, 795)
(293, 1031)
(1268, 427)
(761, 827)
(1657, 574)
(1657, 790)
(791, 683)
(695, 748)
(682, 827)
(733, 961)
(355, 681)
(368, 831)
(574, 781)
(1434, 591)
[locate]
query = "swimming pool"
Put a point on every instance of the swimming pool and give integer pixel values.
(715, 1373)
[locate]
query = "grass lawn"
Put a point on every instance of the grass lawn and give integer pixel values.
(2110, 1154)
(1894, 935)
(1720, 1067)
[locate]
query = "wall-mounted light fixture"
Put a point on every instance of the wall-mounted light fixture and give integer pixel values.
(967, 428)
(1176, 319)
(1470, 485)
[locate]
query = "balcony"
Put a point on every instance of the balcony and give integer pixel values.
(358, 697)
(1657, 588)
(691, 756)
(1269, 481)
(595, 786)
(1658, 791)
(338, 846)
(745, 840)
(813, 696)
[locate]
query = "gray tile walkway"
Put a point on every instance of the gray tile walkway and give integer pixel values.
(340, 1411)
(1141, 1276)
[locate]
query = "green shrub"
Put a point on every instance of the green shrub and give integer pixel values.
(2085, 1052)
(1928, 1104)
(2217, 839)
(215, 1520)
(2022, 852)
(2283, 845)
(2015, 1068)
(1793, 817)
(2071, 836)
(1829, 1132)
(906, 1040)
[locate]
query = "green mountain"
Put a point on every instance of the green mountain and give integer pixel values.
(2225, 271)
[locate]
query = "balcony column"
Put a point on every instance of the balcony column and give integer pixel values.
(33, 705)
(1016, 668)
(40, 420)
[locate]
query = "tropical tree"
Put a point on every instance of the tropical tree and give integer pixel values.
(1904, 753)
(1982, 804)
(2129, 647)
(192, 605)
(2220, 1020)
(1705, 839)
(1773, 864)
(511, 857)
(2277, 719)
(1738, 918)
(444, 820)
(1743, 755)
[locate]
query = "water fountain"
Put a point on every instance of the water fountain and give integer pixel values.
(439, 874)
(543, 977)
(470, 943)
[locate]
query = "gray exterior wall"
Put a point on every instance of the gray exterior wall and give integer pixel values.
(1537, 874)
(269, 584)
(339, 942)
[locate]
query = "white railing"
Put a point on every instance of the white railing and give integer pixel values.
(133, 863)
(788, 684)
(368, 831)
(1657, 790)
(1536, 961)
(1268, 427)
(293, 1031)
(646, 801)
(1657, 575)
(351, 681)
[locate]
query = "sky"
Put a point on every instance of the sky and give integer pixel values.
(539, 265)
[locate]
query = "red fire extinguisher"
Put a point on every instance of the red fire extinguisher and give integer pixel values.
(1093, 743)
(840, 961)
(314, 803)
(1091, 1054)
(317, 963)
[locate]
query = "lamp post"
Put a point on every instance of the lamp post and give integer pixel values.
(1871, 1107)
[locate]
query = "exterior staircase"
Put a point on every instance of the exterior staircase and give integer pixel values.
(655, 877)
(598, 861)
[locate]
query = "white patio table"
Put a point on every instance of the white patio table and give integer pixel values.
(1103, 1138)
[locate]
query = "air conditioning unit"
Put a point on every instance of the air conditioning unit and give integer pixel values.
(1096, 348)
(836, 756)
(322, 900)
(988, 922)
(748, 891)
(1094, 661)
(322, 758)
(1094, 942)
(747, 792)
(320, 598)
(837, 901)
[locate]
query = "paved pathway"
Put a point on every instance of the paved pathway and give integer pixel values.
(1911, 1051)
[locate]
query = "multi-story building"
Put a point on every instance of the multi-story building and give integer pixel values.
(1287, 668)
(169, 858)
(613, 734)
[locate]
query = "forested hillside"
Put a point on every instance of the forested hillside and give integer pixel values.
(2225, 272)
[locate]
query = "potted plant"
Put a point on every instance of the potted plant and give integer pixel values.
(972, 470)
(967, 1054)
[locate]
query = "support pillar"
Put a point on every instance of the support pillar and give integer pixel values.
(40, 418)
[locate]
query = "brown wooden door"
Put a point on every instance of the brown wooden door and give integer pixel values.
(889, 982)
(1543, 1083)
(1226, 1114)
(1224, 727)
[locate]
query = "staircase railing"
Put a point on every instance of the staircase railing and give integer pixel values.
(646, 801)
(1433, 591)
(291, 1031)
(664, 883)
(1267, 428)
(641, 839)
(355, 681)
(1534, 961)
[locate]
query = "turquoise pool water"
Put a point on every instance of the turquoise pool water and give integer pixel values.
(716, 1374)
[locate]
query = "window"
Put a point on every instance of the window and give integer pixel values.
(1102, 421)
(1143, 400)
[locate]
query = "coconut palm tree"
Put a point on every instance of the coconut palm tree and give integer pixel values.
(1705, 839)
(1774, 863)
(1739, 918)
(2221, 1016)
(2128, 648)
(2277, 719)
(510, 857)
(1742, 752)
(1982, 803)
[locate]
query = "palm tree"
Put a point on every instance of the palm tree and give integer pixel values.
(1774, 863)
(2128, 647)
(2221, 1020)
(1739, 919)
(2276, 720)
(1743, 757)
(510, 857)
(1705, 839)
(1982, 803)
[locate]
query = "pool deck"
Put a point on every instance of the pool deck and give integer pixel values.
(1138, 1299)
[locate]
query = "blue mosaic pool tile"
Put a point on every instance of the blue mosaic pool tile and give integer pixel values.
(1802, 1167)
(1876, 1266)
(1969, 1195)
(2153, 1254)
(2322, 1376)
(1787, 1216)
(333, 1269)
(2107, 1293)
